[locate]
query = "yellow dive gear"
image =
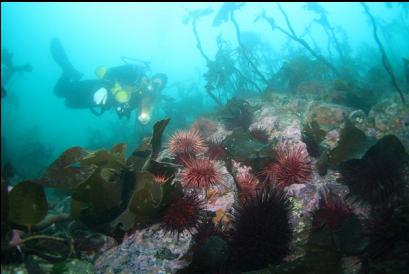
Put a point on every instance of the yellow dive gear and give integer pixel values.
(120, 94)
(100, 72)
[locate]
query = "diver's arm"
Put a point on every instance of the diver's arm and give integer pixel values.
(96, 112)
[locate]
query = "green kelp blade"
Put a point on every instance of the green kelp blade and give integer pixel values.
(139, 157)
(147, 202)
(119, 150)
(66, 172)
(156, 141)
(27, 203)
(104, 159)
(142, 206)
(352, 144)
(102, 190)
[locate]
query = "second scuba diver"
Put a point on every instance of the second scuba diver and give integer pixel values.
(9, 70)
(123, 88)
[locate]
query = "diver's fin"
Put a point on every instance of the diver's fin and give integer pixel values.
(60, 57)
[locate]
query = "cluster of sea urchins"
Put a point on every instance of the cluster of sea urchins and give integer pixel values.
(186, 213)
(199, 173)
(260, 233)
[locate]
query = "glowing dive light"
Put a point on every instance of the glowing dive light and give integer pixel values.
(144, 117)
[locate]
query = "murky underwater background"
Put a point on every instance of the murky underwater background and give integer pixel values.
(285, 152)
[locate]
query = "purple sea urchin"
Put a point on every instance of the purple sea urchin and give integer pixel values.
(261, 232)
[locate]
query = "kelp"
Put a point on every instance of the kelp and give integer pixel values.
(385, 60)
(140, 155)
(101, 190)
(312, 136)
(225, 12)
(104, 158)
(65, 172)
(76, 165)
(147, 202)
(156, 141)
(148, 199)
(237, 113)
(379, 176)
(27, 204)
(352, 144)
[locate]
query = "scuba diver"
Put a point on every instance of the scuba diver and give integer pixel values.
(124, 88)
(9, 70)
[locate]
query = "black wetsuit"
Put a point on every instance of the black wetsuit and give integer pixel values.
(128, 74)
(79, 93)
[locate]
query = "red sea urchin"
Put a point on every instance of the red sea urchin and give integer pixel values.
(293, 166)
(185, 213)
(216, 150)
(200, 173)
(186, 144)
(247, 185)
(332, 211)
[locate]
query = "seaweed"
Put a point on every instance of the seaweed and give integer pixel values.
(293, 36)
(352, 143)
(27, 204)
(237, 113)
(378, 178)
(66, 172)
(312, 136)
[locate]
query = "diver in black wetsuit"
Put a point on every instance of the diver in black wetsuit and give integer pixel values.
(124, 88)
(9, 70)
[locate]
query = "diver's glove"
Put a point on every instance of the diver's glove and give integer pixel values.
(100, 96)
